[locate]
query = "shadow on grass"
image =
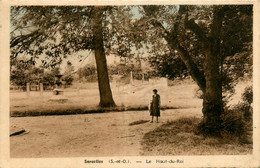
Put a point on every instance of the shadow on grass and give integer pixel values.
(178, 138)
(138, 122)
(72, 111)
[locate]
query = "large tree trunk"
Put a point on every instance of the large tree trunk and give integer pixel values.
(210, 84)
(106, 99)
(212, 98)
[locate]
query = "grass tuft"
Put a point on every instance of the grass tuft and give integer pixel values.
(57, 110)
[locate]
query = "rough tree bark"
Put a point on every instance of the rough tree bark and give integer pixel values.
(106, 99)
(212, 97)
(212, 101)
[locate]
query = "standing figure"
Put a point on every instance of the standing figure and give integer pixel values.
(155, 105)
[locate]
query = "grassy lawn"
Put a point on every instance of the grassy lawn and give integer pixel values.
(178, 138)
(86, 100)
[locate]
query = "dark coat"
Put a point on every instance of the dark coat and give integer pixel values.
(155, 106)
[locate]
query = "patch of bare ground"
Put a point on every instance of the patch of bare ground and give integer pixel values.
(90, 135)
(178, 138)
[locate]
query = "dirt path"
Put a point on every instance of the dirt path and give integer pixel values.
(104, 134)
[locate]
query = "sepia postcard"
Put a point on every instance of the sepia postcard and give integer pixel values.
(129, 84)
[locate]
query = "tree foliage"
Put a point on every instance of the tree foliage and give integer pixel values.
(88, 73)
(58, 31)
(48, 78)
(22, 73)
(169, 66)
(189, 26)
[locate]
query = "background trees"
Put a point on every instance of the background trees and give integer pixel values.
(48, 78)
(88, 73)
(23, 73)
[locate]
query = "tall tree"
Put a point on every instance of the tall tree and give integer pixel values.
(106, 99)
(58, 31)
(210, 33)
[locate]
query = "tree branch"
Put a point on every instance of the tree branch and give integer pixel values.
(156, 23)
(196, 74)
(190, 24)
(193, 69)
(150, 10)
(20, 39)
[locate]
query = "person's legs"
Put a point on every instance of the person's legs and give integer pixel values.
(152, 119)
(156, 118)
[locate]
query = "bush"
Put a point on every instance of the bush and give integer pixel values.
(198, 93)
(245, 106)
(237, 122)
(125, 80)
(235, 127)
(91, 78)
(247, 96)
(245, 109)
(68, 80)
(233, 122)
